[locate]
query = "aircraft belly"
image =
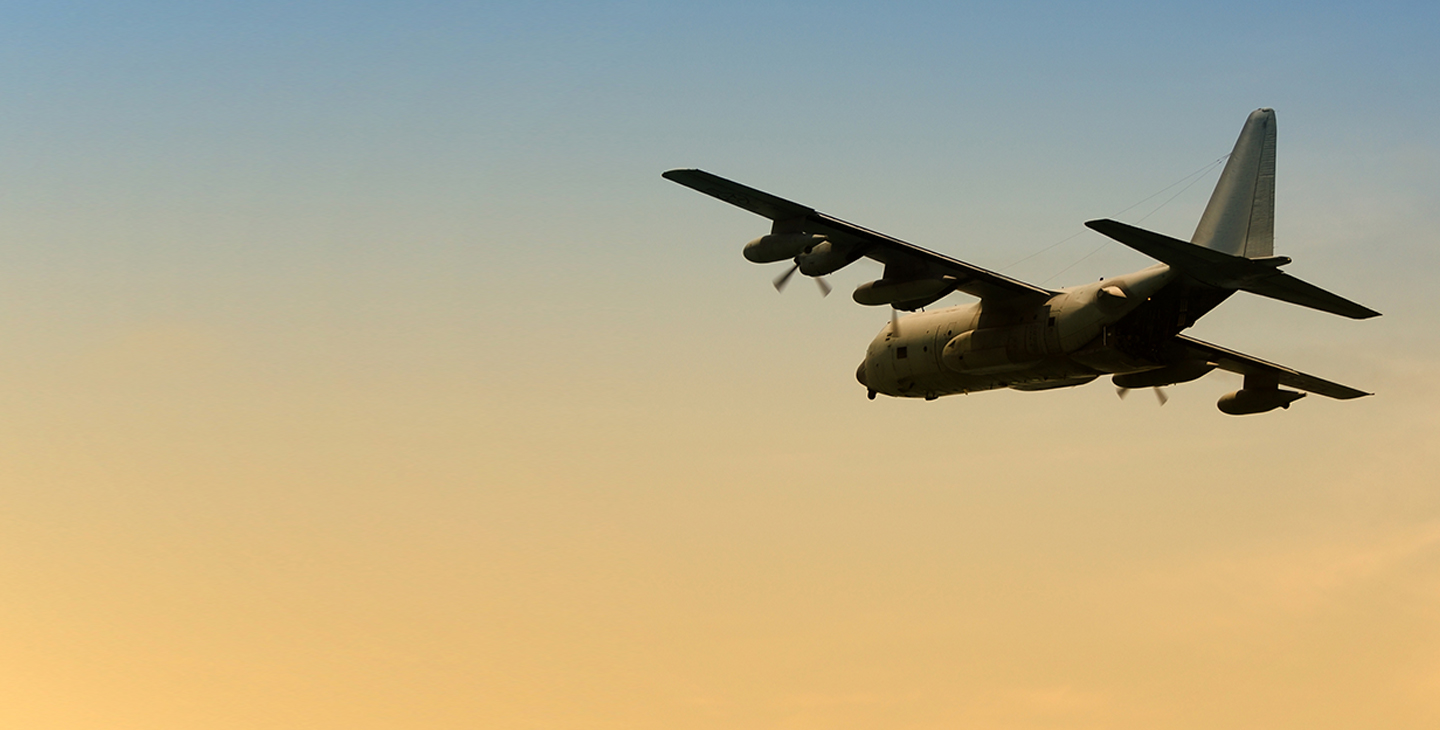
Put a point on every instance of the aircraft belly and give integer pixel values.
(1052, 372)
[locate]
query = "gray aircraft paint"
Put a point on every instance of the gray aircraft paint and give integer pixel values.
(1240, 217)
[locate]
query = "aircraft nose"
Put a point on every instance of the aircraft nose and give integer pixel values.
(860, 374)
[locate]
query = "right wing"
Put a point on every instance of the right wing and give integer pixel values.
(902, 260)
(1237, 362)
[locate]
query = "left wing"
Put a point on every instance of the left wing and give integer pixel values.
(903, 261)
(1237, 362)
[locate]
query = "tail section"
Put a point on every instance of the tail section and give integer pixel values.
(1234, 245)
(1240, 219)
(1223, 271)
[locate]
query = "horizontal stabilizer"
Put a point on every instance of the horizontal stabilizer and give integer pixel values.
(1179, 254)
(1257, 276)
(1287, 288)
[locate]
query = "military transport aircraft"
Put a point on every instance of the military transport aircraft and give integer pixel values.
(1027, 337)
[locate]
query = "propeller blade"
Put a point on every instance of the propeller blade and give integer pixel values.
(784, 278)
(1159, 394)
(824, 286)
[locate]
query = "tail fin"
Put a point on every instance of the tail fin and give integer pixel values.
(1240, 219)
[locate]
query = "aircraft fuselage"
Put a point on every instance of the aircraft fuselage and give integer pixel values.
(1066, 341)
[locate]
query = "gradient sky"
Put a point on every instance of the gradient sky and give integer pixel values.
(360, 371)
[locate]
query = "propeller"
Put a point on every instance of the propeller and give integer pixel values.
(1159, 394)
(783, 279)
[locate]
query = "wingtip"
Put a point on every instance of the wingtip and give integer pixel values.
(1354, 311)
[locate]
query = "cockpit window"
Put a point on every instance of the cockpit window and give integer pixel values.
(901, 353)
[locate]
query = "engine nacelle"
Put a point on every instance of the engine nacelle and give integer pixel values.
(1181, 372)
(886, 291)
(1243, 402)
(824, 258)
(992, 350)
(780, 246)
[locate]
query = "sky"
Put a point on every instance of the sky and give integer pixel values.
(359, 370)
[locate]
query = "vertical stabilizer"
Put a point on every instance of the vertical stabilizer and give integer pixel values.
(1240, 219)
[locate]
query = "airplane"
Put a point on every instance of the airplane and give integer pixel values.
(1026, 337)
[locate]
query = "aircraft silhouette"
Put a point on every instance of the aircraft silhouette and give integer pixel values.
(1027, 337)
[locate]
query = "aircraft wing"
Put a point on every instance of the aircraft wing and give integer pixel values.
(902, 260)
(1237, 362)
